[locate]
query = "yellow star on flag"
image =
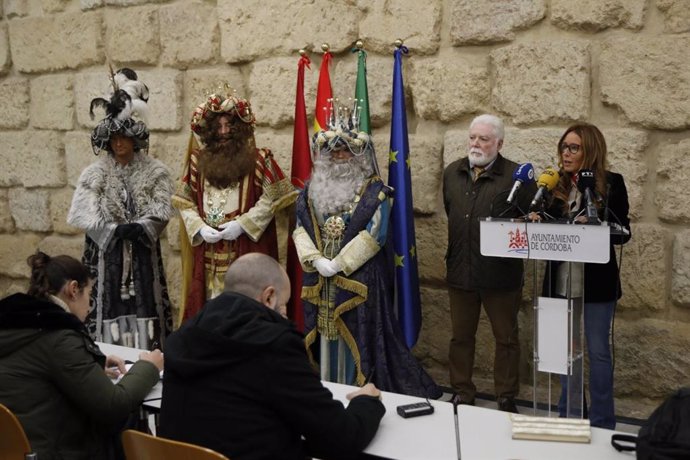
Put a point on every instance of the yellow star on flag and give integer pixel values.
(413, 252)
(408, 162)
(393, 157)
(399, 260)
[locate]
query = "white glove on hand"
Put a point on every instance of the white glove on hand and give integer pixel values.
(231, 230)
(210, 234)
(325, 267)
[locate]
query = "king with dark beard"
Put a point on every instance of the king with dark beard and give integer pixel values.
(228, 195)
(342, 227)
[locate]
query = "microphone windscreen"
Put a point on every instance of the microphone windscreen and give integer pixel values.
(549, 178)
(585, 180)
(524, 173)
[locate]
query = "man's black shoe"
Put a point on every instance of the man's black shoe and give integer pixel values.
(457, 400)
(507, 405)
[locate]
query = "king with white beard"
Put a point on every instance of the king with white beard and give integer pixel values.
(342, 226)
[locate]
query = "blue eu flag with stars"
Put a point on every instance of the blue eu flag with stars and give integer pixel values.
(402, 219)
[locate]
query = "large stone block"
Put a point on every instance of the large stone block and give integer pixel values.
(280, 144)
(643, 271)
(58, 245)
(52, 102)
(54, 6)
(60, 202)
(32, 159)
(78, 154)
(165, 99)
(188, 34)
(434, 337)
(30, 209)
(676, 15)
(9, 286)
(293, 24)
(14, 100)
(636, 74)
(132, 35)
(425, 170)
(65, 41)
(14, 250)
(671, 174)
(85, 5)
(542, 81)
(432, 242)
(595, 15)
(16, 8)
(680, 279)
(199, 83)
(6, 221)
(626, 156)
(5, 60)
(172, 150)
(379, 82)
(418, 24)
(651, 356)
(447, 89)
(128, 2)
(272, 83)
(479, 22)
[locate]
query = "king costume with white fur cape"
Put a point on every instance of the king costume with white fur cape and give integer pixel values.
(107, 195)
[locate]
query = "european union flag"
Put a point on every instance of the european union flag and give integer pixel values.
(402, 219)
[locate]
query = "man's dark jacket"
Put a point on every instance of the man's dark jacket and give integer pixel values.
(467, 202)
(238, 381)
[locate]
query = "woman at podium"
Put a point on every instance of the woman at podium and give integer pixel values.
(589, 193)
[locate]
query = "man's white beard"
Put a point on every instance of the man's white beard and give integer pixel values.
(479, 158)
(334, 185)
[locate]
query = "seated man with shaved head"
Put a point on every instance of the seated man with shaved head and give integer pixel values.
(238, 381)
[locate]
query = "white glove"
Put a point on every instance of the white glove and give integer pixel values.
(210, 234)
(325, 267)
(231, 230)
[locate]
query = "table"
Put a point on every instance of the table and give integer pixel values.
(151, 402)
(428, 437)
(486, 434)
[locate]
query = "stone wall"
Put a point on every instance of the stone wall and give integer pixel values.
(541, 64)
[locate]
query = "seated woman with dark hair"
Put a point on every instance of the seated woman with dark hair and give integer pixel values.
(52, 373)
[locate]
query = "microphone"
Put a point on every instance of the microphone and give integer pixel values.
(523, 174)
(547, 181)
(585, 184)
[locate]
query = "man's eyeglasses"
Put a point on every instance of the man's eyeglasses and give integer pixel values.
(572, 148)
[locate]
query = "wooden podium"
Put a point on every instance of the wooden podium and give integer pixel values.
(573, 244)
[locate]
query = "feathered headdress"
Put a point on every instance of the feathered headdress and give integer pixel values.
(128, 99)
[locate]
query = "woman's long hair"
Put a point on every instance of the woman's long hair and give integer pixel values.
(49, 274)
(594, 158)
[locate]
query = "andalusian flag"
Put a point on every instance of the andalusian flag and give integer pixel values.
(300, 172)
(362, 96)
(362, 93)
(402, 218)
(323, 94)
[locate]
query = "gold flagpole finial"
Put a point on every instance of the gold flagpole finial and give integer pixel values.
(325, 47)
(359, 44)
(398, 43)
(302, 52)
